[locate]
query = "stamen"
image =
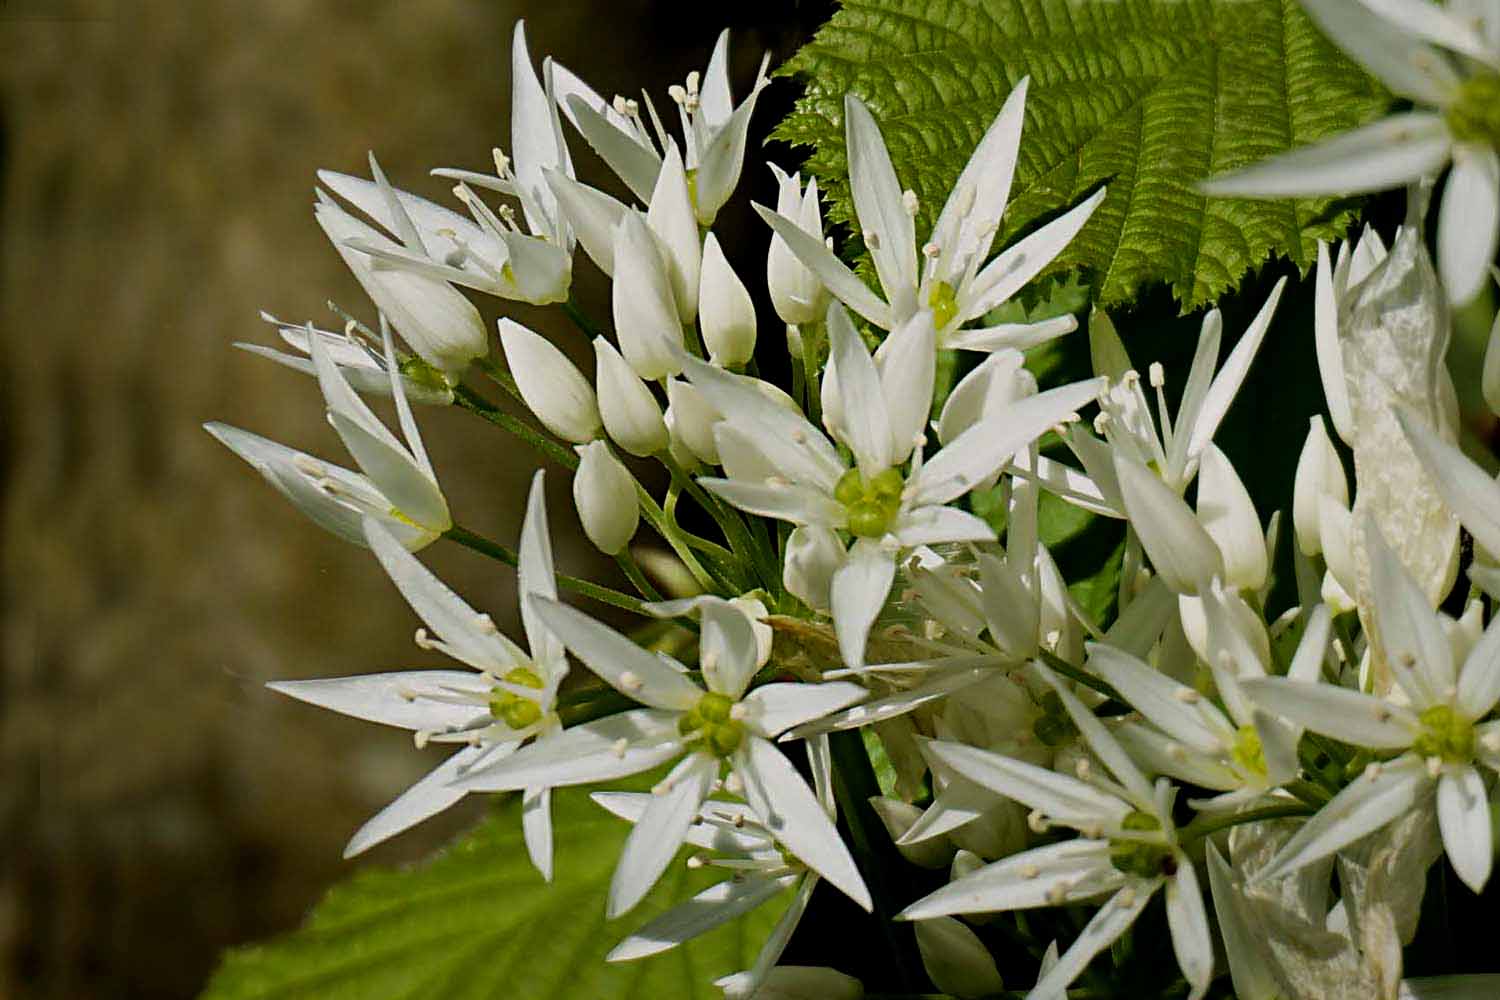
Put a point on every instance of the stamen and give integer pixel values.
(734, 784)
(1157, 374)
(502, 162)
(423, 640)
(1030, 871)
(1037, 822)
(630, 681)
(1127, 897)
(695, 861)
(931, 251)
(619, 747)
(484, 623)
(909, 201)
(1187, 695)
(309, 466)
(1434, 766)
(872, 239)
(1373, 770)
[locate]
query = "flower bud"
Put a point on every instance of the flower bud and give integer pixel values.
(1319, 473)
(1228, 515)
(1183, 554)
(899, 817)
(956, 960)
(605, 494)
(813, 555)
(631, 414)
(691, 419)
(671, 218)
(725, 310)
(792, 982)
(645, 311)
(432, 316)
(1000, 380)
(552, 387)
(796, 293)
(1336, 535)
(1490, 381)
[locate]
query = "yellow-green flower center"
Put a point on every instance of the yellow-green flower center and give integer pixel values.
(712, 721)
(1474, 114)
(1143, 858)
(1445, 734)
(871, 505)
(943, 301)
(1247, 752)
(1054, 727)
(425, 375)
(517, 711)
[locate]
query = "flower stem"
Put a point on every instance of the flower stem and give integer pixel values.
(470, 400)
(1073, 673)
(585, 325)
(604, 595)
(1208, 823)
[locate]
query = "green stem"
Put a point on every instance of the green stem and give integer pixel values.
(501, 377)
(604, 595)
(811, 335)
(1061, 666)
(585, 325)
(1207, 824)
(730, 523)
(468, 399)
(632, 571)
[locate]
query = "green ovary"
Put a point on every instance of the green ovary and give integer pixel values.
(1474, 114)
(515, 710)
(712, 721)
(1054, 727)
(871, 506)
(943, 302)
(425, 375)
(1135, 857)
(1247, 752)
(1446, 735)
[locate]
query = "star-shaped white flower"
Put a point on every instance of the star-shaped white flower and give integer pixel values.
(703, 730)
(1128, 850)
(397, 486)
(955, 283)
(512, 697)
(779, 465)
(1430, 738)
(1446, 60)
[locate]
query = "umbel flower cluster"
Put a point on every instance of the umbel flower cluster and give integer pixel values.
(1293, 775)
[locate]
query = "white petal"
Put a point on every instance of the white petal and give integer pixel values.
(1228, 515)
(810, 557)
(720, 164)
(1463, 811)
(1099, 740)
(1415, 645)
(1180, 550)
(1158, 753)
(634, 163)
(880, 207)
(775, 708)
(1194, 393)
(1241, 933)
(670, 217)
(631, 415)
(934, 525)
(426, 798)
(1112, 920)
(1479, 680)
(734, 828)
(1188, 922)
(800, 981)
(966, 226)
(536, 828)
(1058, 796)
(535, 575)
(970, 399)
(607, 748)
(908, 366)
(642, 303)
(657, 836)
(857, 594)
(717, 905)
(1469, 222)
(1436, 24)
(1007, 273)
(797, 504)
(892, 705)
(1138, 627)
(727, 648)
(410, 490)
(791, 811)
(392, 699)
(627, 667)
(1226, 384)
(1330, 353)
(832, 272)
(989, 444)
(726, 311)
(1351, 716)
(593, 214)
(1079, 868)
(1403, 63)
(1465, 487)
(469, 636)
(866, 423)
(956, 961)
(1394, 151)
(1307, 662)
(534, 138)
(1172, 707)
(1009, 336)
(1364, 806)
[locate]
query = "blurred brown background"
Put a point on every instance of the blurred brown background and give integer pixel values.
(156, 171)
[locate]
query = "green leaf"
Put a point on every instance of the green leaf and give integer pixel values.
(1147, 96)
(478, 923)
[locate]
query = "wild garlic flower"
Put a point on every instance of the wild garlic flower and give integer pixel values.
(797, 294)
(955, 285)
(1128, 849)
(511, 699)
(359, 356)
(705, 730)
(779, 465)
(1446, 60)
(396, 486)
(1427, 739)
(714, 131)
(1469, 491)
(731, 837)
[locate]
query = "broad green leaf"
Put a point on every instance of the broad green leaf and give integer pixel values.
(1147, 96)
(478, 923)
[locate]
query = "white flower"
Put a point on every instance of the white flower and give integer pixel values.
(397, 488)
(645, 308)
(1469, 491)
(1320, 473)
(359, 358)
(509, 700)
(1434, 728)
(433, 317)
(690, 420)
(1129, 849)
(704, 730)
(554, 390)
(632, 416)
(953, 284)
(1444, 59)
(604, 492)
(1228, 515)
(713, 129)
(956, 961)
(779, 465)
(727, 314)
(796, 292)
